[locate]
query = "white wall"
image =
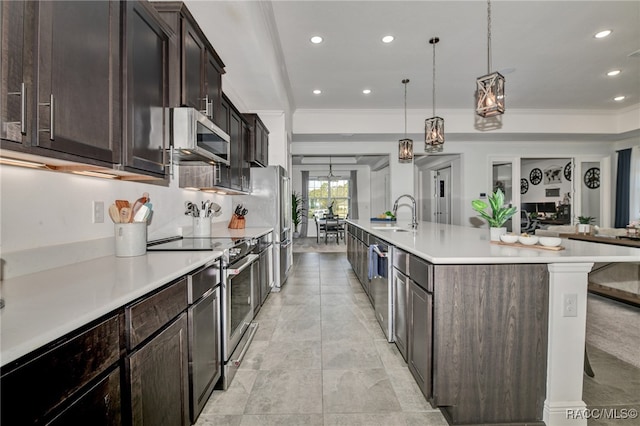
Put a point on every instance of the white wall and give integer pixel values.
(41, 208)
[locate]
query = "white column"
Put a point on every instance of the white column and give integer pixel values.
(566, 340)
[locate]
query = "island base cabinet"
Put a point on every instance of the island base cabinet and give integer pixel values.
(158, 378)
(420, 337)
(490, 342)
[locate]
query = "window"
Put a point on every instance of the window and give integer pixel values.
(323, 192)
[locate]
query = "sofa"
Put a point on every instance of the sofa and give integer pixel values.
(557, 230)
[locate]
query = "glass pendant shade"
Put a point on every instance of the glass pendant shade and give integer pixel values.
(405, 150)
(433, 134)
(490, 95)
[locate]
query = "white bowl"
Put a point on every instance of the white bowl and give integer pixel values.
(508, 238)
(528, 241)
(550, 241)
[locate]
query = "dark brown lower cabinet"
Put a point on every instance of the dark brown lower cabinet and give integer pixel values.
(99, 406)
(158, 378)
(56, 378)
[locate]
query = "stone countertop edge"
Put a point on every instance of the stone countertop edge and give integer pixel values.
(43, 306)
(453, 244)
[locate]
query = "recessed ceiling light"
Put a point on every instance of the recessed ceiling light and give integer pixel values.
(602, 34)
(366, 91)
(613, 73)
(388, 39)
(619, 98)
(317, 92)
(316, 39)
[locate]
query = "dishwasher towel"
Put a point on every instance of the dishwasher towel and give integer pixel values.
(373, 262)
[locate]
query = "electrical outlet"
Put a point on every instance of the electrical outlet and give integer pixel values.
(98, 211)
(569, 305)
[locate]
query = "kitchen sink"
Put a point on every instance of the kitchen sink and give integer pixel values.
(390, 228)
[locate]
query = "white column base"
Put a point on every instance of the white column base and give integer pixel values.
(568, 413)
(566, 345)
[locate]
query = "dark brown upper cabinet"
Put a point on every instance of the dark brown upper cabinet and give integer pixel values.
(258, 149)
(61, 75)
(16, 112)
(193, 63)
(146, 135)
(236, 176)
(86, 81)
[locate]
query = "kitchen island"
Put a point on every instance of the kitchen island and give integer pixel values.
(507, 323)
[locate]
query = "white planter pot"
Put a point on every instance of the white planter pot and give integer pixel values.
(584, 228)
(496, 232)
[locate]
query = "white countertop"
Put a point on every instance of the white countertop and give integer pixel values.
(43, 306)
(451, 244)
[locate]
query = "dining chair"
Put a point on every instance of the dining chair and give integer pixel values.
(320, 228)
(331, 228)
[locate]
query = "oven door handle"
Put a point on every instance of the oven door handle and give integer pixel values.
(246, 262)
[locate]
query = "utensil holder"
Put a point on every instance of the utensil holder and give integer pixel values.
(131, 239)
(201, 226)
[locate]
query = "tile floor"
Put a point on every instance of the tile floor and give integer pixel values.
(319, 357)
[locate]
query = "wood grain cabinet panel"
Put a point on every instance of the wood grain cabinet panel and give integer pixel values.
(152, 313)
(16, 77)
(158, 378)
(99, 406)
(78, 99)
(194, 66)
(34, 391)
(258, 145)
(490, 342)
(146, 135)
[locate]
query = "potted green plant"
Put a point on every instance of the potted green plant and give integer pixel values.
(584, 224)
(297, 211)
(499, 213)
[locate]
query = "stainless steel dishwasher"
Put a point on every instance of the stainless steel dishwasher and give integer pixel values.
(381, 288)
(400, 284)
(203, 314)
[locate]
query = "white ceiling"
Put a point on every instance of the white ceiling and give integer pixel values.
(545, 49)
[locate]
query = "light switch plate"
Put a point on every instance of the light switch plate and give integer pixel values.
(569, 305)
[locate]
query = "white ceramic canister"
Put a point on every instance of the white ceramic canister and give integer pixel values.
(131, 239)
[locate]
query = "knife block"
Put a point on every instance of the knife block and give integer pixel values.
(236, 222)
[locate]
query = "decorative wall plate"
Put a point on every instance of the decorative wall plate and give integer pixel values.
(592, 178)
(567, 171)
(535, 176)
(524, 186)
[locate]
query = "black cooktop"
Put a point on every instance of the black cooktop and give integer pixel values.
(191, 244)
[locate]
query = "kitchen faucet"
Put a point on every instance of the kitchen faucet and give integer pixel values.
(414, 219)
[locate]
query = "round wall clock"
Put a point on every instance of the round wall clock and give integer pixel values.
(535, 176)
(567, 171)
(524, 186)
(592, 178)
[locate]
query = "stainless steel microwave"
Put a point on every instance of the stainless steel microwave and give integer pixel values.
(196, 138)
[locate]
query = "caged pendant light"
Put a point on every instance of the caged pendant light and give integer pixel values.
(490, 87)
(405, 146)
(434, 126)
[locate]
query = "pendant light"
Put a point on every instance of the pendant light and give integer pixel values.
(434, 126)
(490, 87)
(330, 175)
(405, 146)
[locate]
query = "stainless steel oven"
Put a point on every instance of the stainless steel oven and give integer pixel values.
(238, 329)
